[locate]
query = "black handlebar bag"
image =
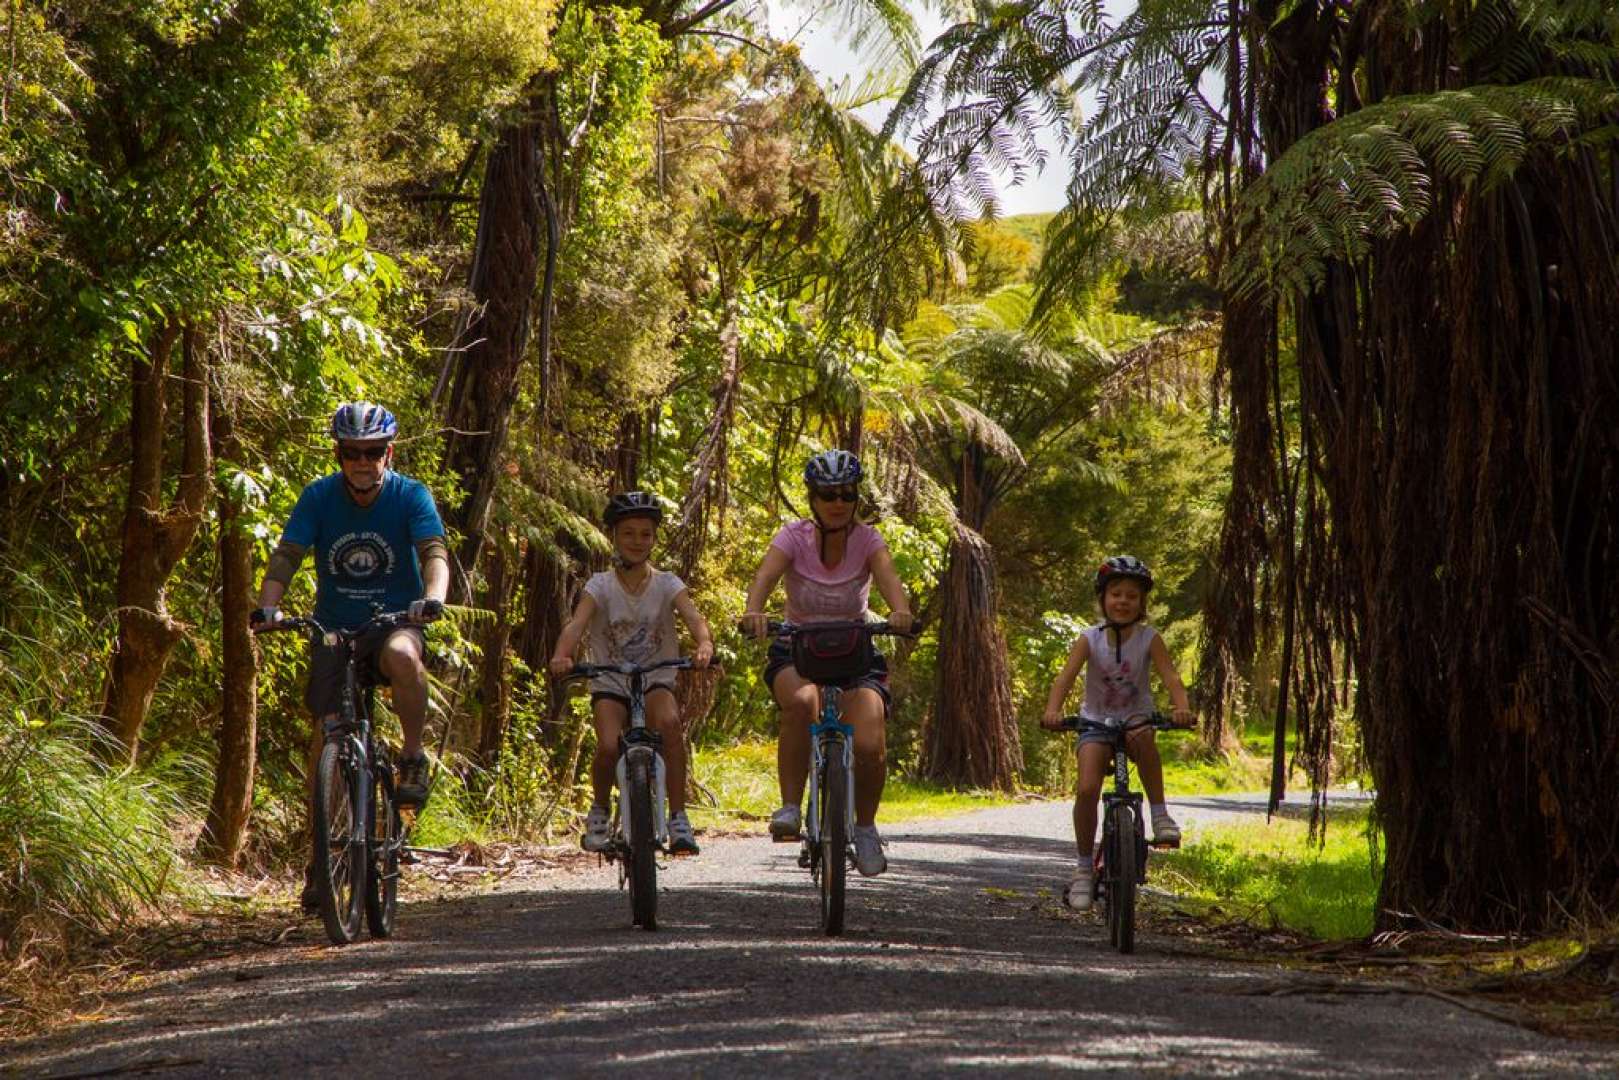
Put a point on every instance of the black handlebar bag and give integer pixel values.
(833, 656)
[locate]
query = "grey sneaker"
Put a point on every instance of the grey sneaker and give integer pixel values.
(784, 824)
(1164, 829)
(596, 836)
(1081, 891)
(868, 850)
(681, 839)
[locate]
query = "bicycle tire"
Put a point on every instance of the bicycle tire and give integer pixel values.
(643, 866)
(340, 863)
(834, 841)
(1121, 886)
(382, 882)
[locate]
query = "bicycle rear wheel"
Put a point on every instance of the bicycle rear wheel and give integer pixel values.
(340, 862)
(1121, 881)
(382, 892)
(834, 825)
(643, 865)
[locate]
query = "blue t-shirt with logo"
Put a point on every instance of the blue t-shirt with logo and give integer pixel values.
(364, 555)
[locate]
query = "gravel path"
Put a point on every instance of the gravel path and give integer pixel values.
(956, 961)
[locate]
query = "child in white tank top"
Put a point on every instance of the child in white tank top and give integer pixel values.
(1116, 654)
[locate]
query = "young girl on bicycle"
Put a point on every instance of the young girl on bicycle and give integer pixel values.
(1116, 653)
(629, 612)
(830, 561)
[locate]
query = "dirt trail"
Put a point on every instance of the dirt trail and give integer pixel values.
(956, 961)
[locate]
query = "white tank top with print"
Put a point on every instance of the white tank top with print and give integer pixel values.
(1116, 676)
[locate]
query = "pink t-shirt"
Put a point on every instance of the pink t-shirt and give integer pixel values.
(816, 593)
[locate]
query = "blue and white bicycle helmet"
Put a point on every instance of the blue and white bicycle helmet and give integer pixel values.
(832, 468)
(363, 420)
(1122, 566)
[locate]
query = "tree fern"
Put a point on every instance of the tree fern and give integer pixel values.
(1372, 173)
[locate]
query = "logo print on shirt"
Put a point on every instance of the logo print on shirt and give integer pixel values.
(361, 557)
(1118, 687)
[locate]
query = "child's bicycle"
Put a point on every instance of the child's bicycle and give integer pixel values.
(829, 654)
(640, 825)
(1121, 859)
(354, 820)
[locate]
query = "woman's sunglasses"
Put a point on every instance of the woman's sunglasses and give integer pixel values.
(847, 495)
(355, 453)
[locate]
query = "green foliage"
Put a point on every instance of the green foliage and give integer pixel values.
(82, 846)
(1273, 875)
(1373, 173)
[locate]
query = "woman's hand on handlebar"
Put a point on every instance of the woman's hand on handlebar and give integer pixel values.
(560, 666)
(901, 622)
(1183, 717)
(755, 624)
(702, 654)
(1052, 720)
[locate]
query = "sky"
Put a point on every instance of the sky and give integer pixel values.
(826, 50)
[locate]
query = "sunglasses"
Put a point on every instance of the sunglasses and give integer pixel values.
(355, 453)
(847, 495)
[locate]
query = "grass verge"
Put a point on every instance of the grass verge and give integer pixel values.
(1270, 873)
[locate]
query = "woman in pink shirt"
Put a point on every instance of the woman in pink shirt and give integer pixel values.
(829, 561)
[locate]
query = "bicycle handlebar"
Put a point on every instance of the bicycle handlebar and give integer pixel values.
(591, 671)
(781, 628)
(315, 631)
(1111, 725)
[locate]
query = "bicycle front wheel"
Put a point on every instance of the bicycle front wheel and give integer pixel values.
(643, 865)
(1121, 881)
(382, 891)
(340, 862)
(834, 825)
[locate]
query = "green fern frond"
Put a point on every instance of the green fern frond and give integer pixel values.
(1371, 173)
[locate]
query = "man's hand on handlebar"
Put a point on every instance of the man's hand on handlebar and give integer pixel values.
(425, 610)
(263, 618)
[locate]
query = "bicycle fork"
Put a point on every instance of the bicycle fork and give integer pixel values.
(829, 737)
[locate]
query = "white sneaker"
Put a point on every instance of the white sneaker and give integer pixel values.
(596, 836)
(1081, 890)
(784, 824)
(681, 839)
(868, 850)
(1164, 829)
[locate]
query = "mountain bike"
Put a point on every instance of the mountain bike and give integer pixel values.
(640, 826)
(358, 833)
(830, 654)
(1120, 865)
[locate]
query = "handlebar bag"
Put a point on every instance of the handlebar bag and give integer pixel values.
(836, 655)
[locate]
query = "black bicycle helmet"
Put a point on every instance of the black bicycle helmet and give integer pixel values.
(832, 468)
(630, 504)
(363, 420)
(1122, 566)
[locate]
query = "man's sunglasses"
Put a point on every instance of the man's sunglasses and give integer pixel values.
(355, 453)
(847, 495)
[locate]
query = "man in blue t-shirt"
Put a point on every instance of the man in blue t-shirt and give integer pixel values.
(377, 540)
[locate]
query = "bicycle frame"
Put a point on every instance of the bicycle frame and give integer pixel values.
(829, 735)
(638, 741)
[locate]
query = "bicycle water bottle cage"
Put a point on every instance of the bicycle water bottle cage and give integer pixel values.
(640, 737)
(836, 655)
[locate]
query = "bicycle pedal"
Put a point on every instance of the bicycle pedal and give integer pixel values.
(796, 838)
(1165, 845)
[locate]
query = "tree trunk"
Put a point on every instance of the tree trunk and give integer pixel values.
(504, 271)
(494, 690)
(228, 811)
(972, 737)
(155, 537)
